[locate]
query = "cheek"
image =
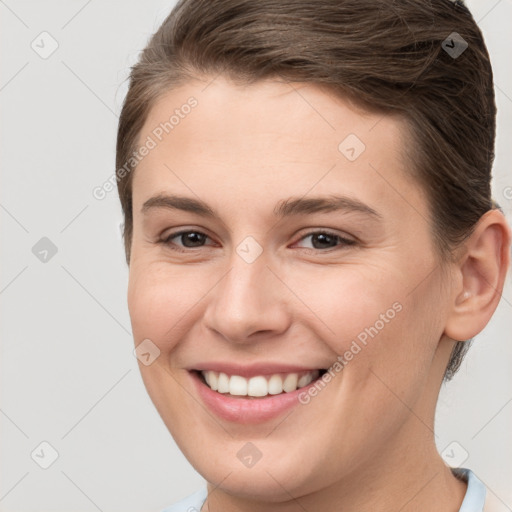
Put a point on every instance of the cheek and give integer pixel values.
(386, 338)
(162, 302)
(376, 326)
(350, 304)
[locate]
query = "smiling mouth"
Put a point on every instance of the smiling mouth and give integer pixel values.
(259, 386)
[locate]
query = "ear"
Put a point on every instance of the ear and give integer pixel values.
(480, 277)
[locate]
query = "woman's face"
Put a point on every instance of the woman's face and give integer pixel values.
(269, 281)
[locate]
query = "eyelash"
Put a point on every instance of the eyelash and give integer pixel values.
(344, 241)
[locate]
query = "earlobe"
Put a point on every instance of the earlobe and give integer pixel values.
(482, 270)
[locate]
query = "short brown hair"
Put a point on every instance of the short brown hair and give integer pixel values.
(386, 56)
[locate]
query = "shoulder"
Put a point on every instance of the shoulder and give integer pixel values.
(191, 503)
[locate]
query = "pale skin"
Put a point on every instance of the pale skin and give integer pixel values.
(366, 442)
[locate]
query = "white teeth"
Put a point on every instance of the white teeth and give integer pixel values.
(275, 385)
(260, 385)
(223, 383)
(257, 386)
(214, 381)
(290, 382)
(237, 385)
(303, 381)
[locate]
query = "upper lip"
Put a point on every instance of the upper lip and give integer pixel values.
(252, 370)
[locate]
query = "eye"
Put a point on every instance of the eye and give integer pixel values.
(189, 240)
(193, 239)
(327, 240)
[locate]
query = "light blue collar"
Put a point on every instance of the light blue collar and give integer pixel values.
(474, 499)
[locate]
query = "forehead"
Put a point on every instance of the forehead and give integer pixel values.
(252, 112)
(269, 138)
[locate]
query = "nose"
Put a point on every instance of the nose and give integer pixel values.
(249, 303)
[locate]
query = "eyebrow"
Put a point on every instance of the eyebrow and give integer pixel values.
(285, 208)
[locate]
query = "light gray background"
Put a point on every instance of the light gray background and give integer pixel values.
(68, 375)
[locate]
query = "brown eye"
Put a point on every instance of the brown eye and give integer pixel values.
(326, 240)
(188, 239)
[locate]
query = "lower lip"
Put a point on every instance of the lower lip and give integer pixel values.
(245, 410)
